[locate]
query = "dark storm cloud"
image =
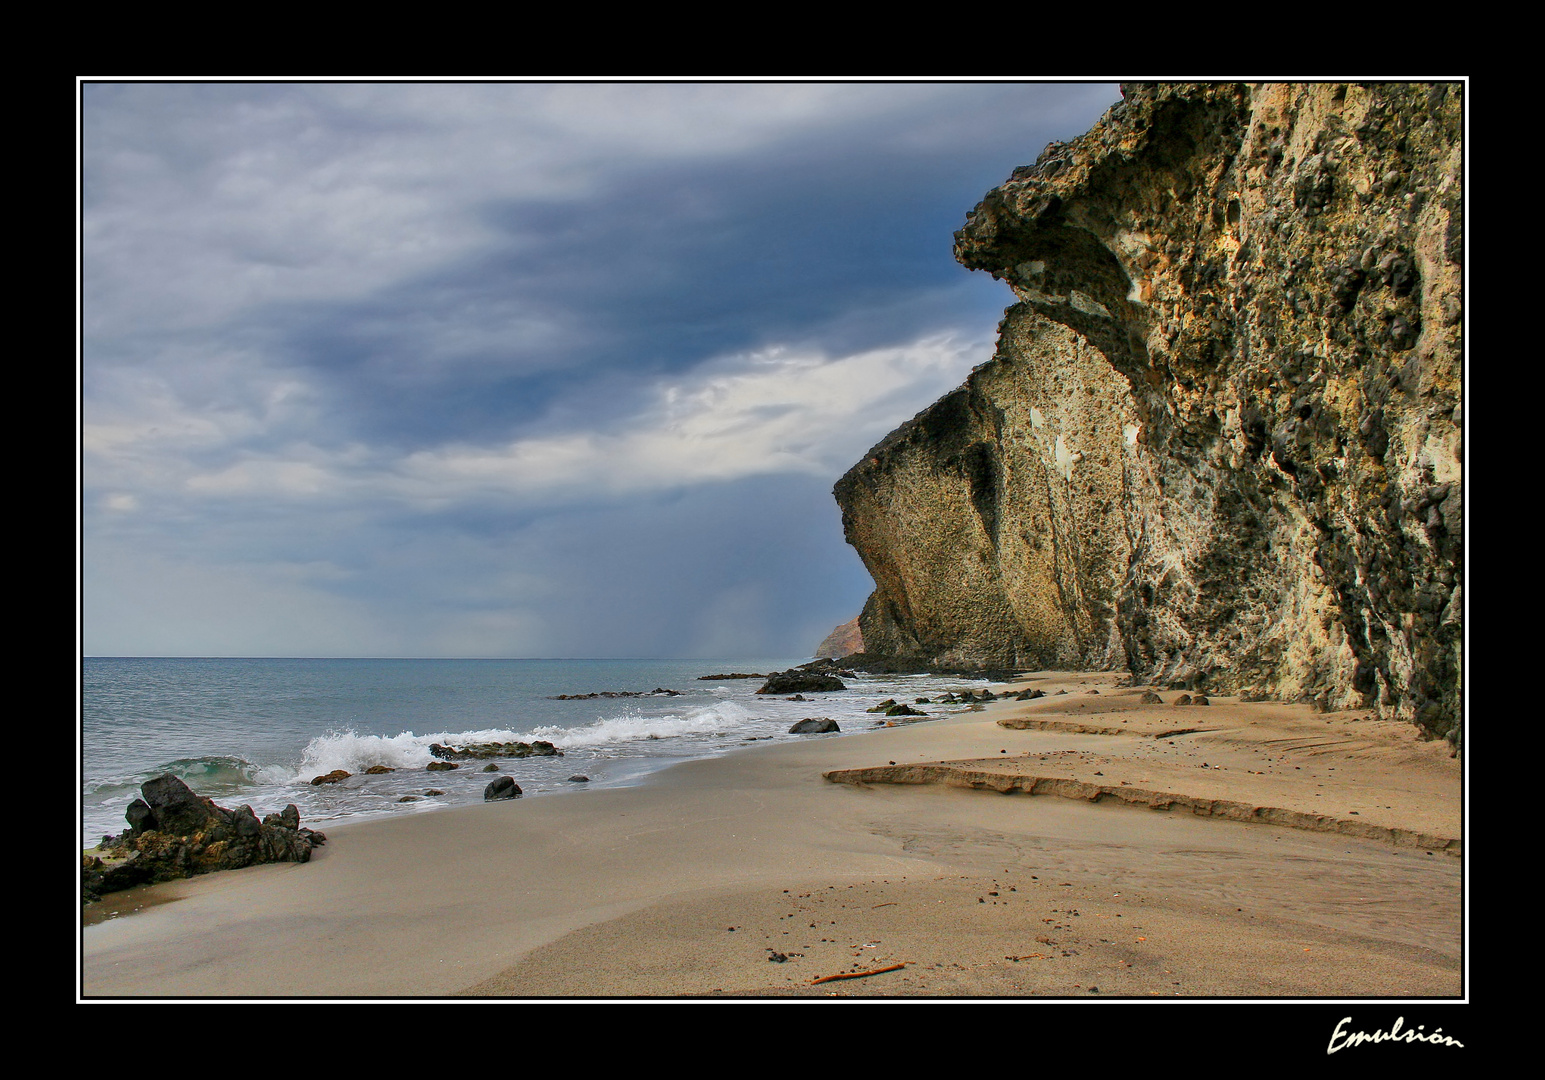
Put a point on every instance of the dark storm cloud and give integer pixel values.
(518, 369)
(840, 240)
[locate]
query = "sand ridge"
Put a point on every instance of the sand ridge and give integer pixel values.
(1271, 763)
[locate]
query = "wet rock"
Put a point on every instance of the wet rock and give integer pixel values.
(799, 682)
(379, 770)
(579, 779)
(504, 787)
(441, 766)
(174, 833)
(814, 726)
(333, 777)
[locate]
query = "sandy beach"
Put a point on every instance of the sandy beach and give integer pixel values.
(1080, 845)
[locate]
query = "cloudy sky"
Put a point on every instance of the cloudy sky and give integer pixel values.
(514, 369)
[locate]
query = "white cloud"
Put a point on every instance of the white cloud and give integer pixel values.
(776, 411)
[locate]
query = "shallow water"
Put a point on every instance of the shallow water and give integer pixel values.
(256, 731)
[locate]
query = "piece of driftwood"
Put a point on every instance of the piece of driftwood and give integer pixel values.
(857, 974)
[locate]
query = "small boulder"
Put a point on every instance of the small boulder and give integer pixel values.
(814, 726)
(379, 770)
(798, 682)
(578, 779)
(503, 788)
(1150, 698)
(333, 777)
(1183, 699)
(436, 766)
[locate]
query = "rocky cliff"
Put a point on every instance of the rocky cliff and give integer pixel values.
(1219, 443)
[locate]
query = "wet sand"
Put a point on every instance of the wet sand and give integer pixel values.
(758, 873)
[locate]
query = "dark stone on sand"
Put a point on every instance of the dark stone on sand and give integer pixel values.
(1150, 698)
(503, 788)
(814, 726)
(1201, 699)
(1183, 699)
(174, 833)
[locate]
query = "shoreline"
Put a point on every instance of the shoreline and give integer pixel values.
(633, 891)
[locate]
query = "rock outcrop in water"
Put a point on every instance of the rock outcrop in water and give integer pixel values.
(174, 833)
(1219, 443)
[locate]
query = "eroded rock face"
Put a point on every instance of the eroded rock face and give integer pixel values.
(1219, 443)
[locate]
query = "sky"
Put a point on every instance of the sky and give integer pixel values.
(514, 369)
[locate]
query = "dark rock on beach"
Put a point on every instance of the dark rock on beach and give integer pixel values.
(503, 788)
(814, 726)
(174, 833)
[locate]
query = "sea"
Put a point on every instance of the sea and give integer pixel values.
(257, 731)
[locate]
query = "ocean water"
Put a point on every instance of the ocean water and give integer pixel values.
(256, 731)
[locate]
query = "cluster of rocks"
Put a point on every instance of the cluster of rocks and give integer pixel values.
(658, 691)
(1150, 697)
(890, 707)
(535, 748)
(174, 833)
(731, 675)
